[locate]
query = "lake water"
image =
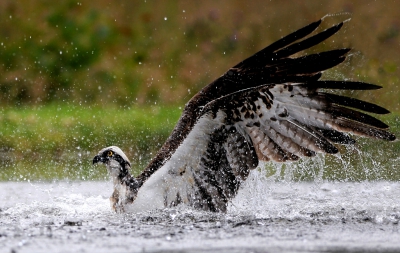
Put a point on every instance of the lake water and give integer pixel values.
(266, 216)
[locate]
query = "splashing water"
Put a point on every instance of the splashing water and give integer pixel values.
(274, 213)
(281, 207)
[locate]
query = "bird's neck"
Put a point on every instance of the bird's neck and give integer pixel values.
(120, 175)
(130, 182)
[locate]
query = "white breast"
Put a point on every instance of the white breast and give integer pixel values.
(176, 176)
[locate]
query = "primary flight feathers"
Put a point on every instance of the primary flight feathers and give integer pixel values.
(269, 107)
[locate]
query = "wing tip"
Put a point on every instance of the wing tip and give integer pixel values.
(341, 85)
(370, 86)
(315, 24)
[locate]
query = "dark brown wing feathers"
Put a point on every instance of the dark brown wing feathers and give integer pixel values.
(280, 111)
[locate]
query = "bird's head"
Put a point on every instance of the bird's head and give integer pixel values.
(118, 166)
(116, 161)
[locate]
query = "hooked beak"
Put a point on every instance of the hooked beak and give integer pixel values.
(98, 159)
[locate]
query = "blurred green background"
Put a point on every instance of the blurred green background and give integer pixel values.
(76, 76)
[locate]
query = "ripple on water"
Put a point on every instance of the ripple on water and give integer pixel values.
(277, 215)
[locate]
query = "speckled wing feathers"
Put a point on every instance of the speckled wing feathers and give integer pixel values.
(269, 107)
(299, 120)
(226, 163)
(276, 122)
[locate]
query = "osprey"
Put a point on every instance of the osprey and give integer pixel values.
(271, 106)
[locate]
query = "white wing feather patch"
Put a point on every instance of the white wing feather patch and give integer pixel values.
(206, 170)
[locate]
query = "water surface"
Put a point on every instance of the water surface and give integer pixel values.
(266, 216)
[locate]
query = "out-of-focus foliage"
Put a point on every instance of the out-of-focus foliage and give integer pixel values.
(65, 138)
(59, 141)
(145, 51)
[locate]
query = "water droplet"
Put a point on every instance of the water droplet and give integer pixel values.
(173, 214)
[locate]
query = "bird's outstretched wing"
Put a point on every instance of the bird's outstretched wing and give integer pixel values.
(268, 107)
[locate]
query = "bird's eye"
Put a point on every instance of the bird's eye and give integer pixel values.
(110, 153)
